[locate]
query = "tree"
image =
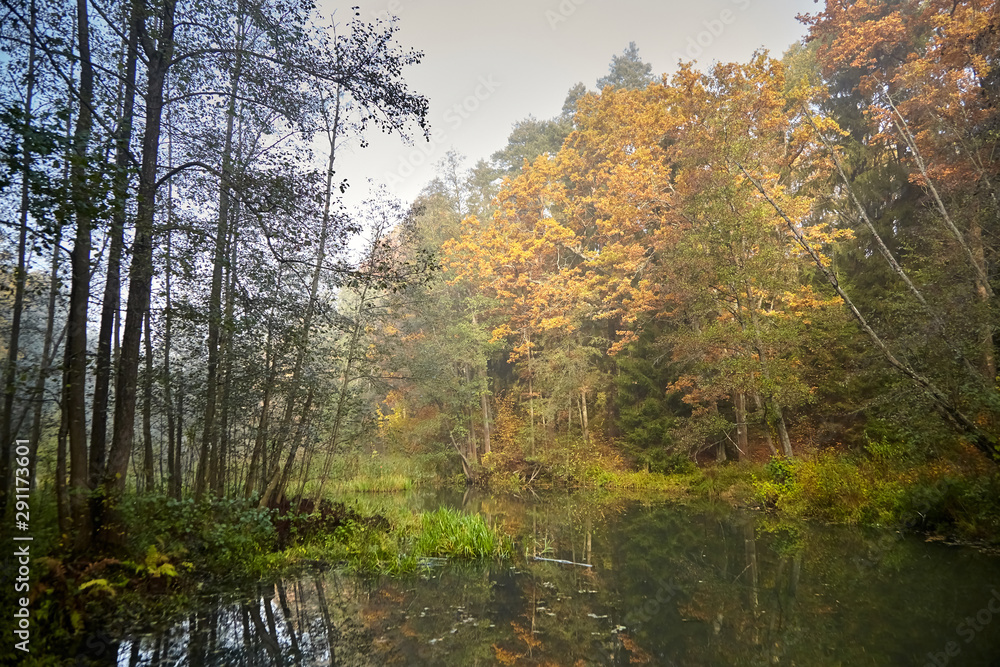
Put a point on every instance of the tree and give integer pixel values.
(627, 71)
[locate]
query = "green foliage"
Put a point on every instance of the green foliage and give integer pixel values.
(627, 70)
(886, 443)
(779, 469)
(968, 506)
(647, 413)
(530, 138)
(394, 545)
(453, 534)
(156, 564)
(828, 488)
(677, 464)
(774, 484)
(221, 534)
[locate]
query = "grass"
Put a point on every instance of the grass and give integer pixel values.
(451, 534)
(388, 483)
(378, 473)
(956, 494)
(394, 540)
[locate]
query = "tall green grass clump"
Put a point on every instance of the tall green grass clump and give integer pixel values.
(452, 534)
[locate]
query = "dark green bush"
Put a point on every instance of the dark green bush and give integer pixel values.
(220, 533)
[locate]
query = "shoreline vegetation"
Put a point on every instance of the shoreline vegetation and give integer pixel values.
(173, 551)
(766, 285)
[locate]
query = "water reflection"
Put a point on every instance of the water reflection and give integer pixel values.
(667, 586)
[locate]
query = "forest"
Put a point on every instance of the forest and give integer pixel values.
(766, 283)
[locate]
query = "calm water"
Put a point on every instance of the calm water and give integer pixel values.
(667, 585)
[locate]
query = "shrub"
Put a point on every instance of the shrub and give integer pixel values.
(223, 534)
(449, 533)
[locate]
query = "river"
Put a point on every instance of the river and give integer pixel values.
(652, 582)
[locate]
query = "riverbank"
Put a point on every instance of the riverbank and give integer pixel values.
(620, 574)
(174, 551)
(954, 496)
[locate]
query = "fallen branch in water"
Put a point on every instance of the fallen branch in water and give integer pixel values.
(564, 562)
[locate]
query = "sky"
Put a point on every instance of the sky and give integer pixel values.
(488, 64)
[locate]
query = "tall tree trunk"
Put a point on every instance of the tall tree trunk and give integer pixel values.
(988, 363)
(210, 434)
(20, 280)
(740, 408)
(263, 423)
(173, 473)
(779, 422)
(48, 353)
(62, 495)
(774, 413)
(978, 267)
(759, 402)
(332, 133)
(346, 379)
(484, 403)
(178, 490)
(276, 485)
(75, 369)
(983, 441)
(147, 408)
(473, 445)
(141, 271)
(112, 287)
(936, 319)
(219, 479)
(341, 399)
(583, 415)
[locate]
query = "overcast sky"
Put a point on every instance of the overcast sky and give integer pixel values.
(489, 64)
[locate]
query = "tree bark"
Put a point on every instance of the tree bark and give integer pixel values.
(486, 422)
(346, 381)
(276, 485)
(48, 354)
(768, 438)
(75, 369)
(147, 409)
(62, 495)
(981, 440)
(159, 58)
(218, 482)
(173, 472)
(740, 408)
(20, 280)
(112, 287)
(210, 434)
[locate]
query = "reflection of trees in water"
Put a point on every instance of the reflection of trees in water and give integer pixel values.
(668, 586)
(285, 623)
